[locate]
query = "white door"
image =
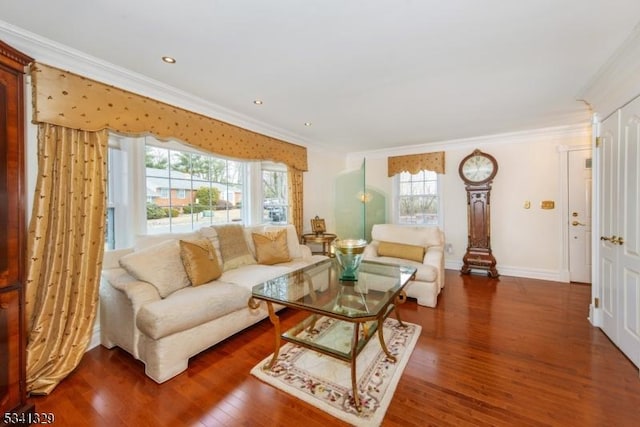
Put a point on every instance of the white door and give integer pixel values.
(619, 230)
(579, 170)
(608, 215)
(629, 234)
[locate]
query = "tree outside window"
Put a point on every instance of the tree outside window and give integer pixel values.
(418, 201)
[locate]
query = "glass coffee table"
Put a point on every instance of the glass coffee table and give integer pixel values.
(363, 305)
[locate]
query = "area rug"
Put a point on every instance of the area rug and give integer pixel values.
(325, 382)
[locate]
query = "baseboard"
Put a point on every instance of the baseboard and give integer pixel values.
(529, 273)
(95, 337)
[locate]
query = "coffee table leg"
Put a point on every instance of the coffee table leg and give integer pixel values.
(381, 339)
(276, 326)
(400, 299)
(354, 382)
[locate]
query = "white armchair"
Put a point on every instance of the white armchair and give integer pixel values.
(419, 246)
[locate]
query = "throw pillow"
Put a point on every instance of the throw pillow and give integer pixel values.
(401, 250)
(271, 247)
(233, 247)
(200, 261)
(159, 265)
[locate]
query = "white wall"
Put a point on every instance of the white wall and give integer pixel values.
(525, 242)
(319, 187)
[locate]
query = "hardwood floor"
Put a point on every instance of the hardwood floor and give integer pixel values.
(507, 352)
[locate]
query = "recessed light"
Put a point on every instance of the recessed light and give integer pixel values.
(169, 60)
(257, 101)
(307, 124)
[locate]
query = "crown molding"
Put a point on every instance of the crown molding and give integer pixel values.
(618, 80)
(69, 59)
(559, 132)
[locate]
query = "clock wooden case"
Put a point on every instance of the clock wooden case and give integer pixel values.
(477, 170)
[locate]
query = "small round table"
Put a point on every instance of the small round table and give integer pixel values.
(324, 239)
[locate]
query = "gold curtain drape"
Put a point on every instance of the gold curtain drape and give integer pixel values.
(295, 198)
(414, 163)
(67, 99)
(65, 249)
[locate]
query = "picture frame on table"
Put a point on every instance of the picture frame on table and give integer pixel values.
(318, 226)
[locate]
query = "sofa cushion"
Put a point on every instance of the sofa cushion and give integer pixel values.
(250, 275)
(425, 236)
(211, 234)
(233, 246)
(271, 247)
(187, 308)
(159, 265)
(200, 261)
(401, 250)
(424, 272)
(293, 242)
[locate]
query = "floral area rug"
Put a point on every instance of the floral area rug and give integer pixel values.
(325, 382)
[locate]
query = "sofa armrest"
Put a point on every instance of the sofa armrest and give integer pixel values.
(306, 251)
(371, 250)
(111, 259)
(138, 291)
(434, 256)
(121, 297)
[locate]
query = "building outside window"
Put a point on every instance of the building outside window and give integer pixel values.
(186, 190)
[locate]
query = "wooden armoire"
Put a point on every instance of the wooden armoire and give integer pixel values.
(13, 393)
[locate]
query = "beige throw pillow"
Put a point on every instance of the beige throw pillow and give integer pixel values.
(233, 247)
(159, 265)
(271, 247)
(401, 250)
(200, 261)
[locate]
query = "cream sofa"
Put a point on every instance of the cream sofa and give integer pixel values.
(395, 244)
(164, 320)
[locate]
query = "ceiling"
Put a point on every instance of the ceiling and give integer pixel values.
(367, 74)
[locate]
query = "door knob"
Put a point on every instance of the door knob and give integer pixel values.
(605, 238)
(617, 240)
(576, 223)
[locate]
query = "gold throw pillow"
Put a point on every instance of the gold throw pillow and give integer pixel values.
(200, 261)
(401, 250)
(271, 247)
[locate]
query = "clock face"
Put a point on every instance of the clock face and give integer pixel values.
(477, 168)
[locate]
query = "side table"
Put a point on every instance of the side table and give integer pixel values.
(324, 239)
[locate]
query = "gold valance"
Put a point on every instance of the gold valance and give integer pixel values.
(67, 99)
(414, 163)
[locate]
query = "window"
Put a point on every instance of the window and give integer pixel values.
(186, 190)
(275, 193)
(110, 235)
(417, 198)
(168, 187)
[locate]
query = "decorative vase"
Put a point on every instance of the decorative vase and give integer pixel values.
(349, 254)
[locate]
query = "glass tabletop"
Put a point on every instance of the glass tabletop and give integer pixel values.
(317, 288)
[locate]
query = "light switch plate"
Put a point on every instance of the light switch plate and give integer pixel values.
(547, 204)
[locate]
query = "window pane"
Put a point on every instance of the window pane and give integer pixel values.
(418, 198)
(275, 194)
(157, 159)
(187, 190)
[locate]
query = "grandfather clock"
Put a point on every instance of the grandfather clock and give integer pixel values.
(477, 170)
(13, 394)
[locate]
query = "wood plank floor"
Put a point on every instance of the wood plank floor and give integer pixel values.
(507, 352)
